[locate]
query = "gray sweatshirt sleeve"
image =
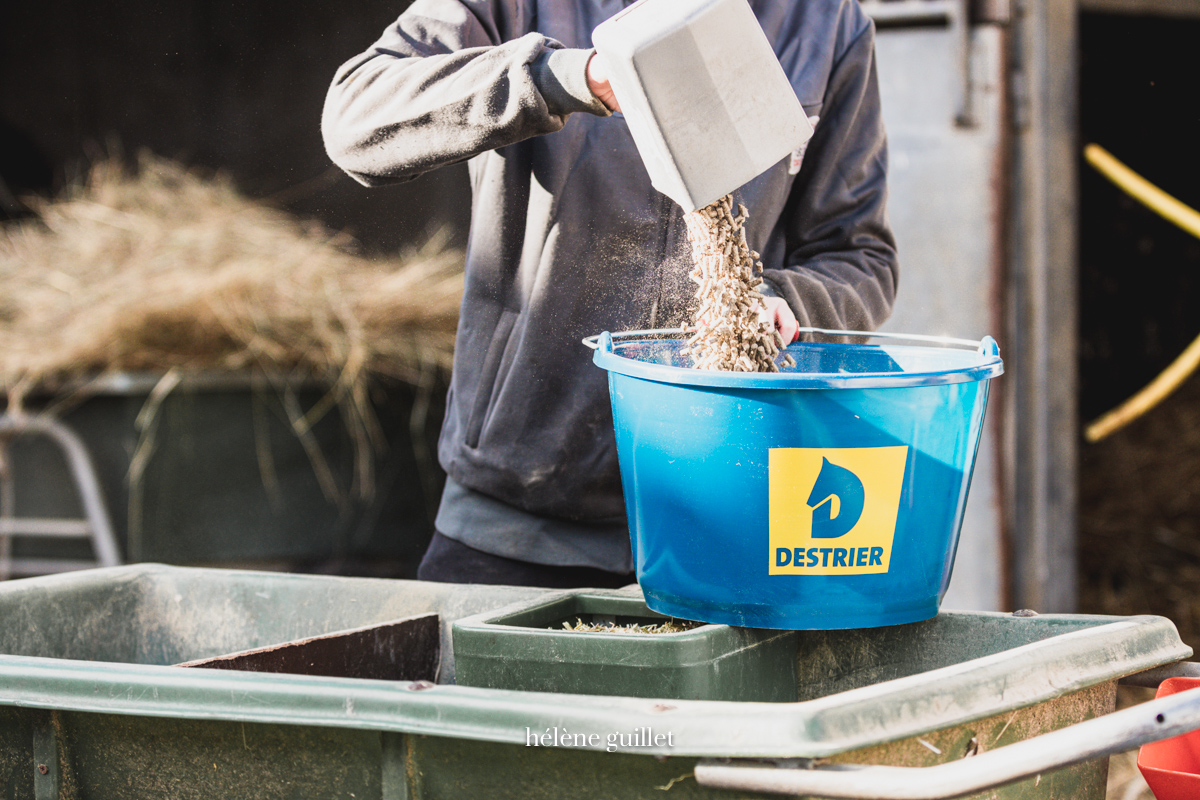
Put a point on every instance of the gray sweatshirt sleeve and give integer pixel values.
(449, 80)
(840, 269)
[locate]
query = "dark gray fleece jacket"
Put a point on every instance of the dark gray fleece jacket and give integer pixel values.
(568, 238)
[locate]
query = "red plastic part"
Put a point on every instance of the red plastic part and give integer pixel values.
(1172, 767)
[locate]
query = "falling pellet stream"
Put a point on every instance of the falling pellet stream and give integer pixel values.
(731, 335)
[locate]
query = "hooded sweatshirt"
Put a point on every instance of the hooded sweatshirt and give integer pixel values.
(568, 238)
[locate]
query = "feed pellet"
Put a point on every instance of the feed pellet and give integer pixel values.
(667, 626)
(730, 335)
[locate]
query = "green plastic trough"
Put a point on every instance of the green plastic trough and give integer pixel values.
(528, 649)
(91, 706)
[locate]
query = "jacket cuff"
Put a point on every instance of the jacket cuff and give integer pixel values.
(767, 290)
(561, 77)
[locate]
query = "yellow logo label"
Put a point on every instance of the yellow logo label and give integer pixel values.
(833, 510)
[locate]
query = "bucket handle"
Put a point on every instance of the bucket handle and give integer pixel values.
(1118, 732)
(600, 342)
(986, 346)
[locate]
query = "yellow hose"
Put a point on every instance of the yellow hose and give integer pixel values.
(1182, 367)
(1155, 392)
(1143, 190)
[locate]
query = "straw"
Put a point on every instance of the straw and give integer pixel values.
(162, 269)
(165, 268)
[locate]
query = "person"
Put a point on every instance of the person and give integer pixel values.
(568, 239)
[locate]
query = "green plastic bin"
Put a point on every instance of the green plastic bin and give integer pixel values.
(528, 649)
(225, 480)
(91, 706)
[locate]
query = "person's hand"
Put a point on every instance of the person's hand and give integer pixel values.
(597, 80)
(776, 311)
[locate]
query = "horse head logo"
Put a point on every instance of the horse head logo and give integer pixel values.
(836, 500)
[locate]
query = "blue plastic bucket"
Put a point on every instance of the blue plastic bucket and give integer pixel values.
(829, 495)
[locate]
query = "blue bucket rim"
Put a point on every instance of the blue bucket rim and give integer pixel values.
(989, 367)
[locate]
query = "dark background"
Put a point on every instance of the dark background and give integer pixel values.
(234, 86)
(1139, 275)
(1139, 511)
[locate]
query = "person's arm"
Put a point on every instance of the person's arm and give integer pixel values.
(840, 270)
(449, 80)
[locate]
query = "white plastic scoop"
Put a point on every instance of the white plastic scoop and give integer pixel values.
(707, 103)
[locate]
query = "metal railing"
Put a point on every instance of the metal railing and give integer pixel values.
(94, 524)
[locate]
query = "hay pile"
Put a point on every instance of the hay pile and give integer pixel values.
(161, 269)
